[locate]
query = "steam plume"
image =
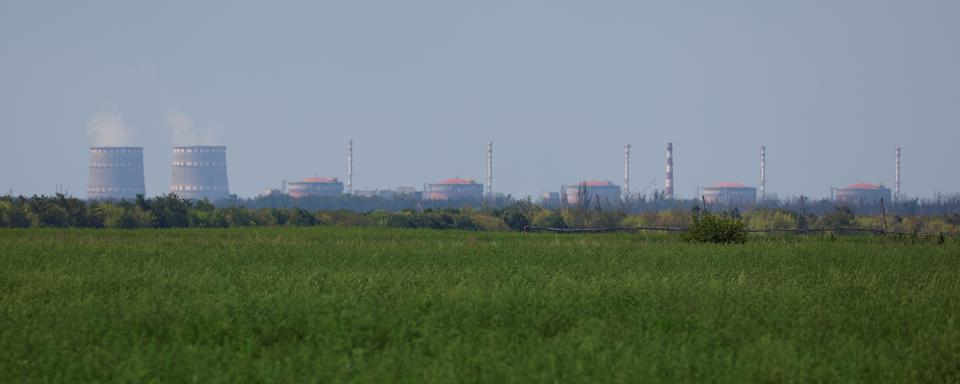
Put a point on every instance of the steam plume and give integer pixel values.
(108, 130)
(183, 131)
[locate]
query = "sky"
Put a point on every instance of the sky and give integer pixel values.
(831, 87)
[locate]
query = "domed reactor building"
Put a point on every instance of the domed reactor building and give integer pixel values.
(590, 191)
(315, 186)
(730, 193)
(200, 172)
(454, 189)
(862, 193)
(115, 173)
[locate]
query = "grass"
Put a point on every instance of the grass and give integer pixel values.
(348, 304)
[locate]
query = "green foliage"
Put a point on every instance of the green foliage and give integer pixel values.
(171, 211)
(720, 229)
(549, 219)
(519, 215)
(334, 304)
(841, 217)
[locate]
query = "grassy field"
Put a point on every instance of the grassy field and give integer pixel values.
(345, 304)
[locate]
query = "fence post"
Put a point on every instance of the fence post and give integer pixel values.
(800, 217)
(883, 216)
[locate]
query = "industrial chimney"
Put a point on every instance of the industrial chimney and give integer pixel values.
(668, 183)
(896, 184)
(763, 172)
(626, 172)
(350, 167)
(115, 173)
(490, 170)
(200, 172)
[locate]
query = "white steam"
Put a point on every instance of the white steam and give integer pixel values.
(183, 131)
(108, 130)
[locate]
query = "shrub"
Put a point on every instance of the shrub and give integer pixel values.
(707, 228)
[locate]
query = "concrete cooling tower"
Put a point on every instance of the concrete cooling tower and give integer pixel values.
(200, 172)
(115, 173)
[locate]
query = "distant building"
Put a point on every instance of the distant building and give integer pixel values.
(862, 193)
(271, 192)
(730, 193)
(381, 193)
(590, 191)
(454, 189)
(200, 172)
(550, 199)
(406, 190)
(315, 186)
(115, 173)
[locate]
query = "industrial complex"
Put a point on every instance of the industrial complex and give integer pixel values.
(115, 173)
(315, 186)
(593, 191)
(200, 172)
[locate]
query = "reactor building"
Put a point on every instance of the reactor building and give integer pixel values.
(590, 191)
(862, 193)
(200, 172)
(730, 193)
(315, 186)
(454, 189)
(115, 173)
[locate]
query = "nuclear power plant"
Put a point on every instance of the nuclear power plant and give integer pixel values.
(200, 172)
(315, 186)
(862, 193)
(730, 193)
(454, 189)
(115, 173)
(590, 191)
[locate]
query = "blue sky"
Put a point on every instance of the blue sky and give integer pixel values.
(830, 87)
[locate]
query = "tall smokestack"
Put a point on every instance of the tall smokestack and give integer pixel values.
(350, 167)
(626, 171)
(896, 184)
(668, 183)
(763, 172)
(490, 170)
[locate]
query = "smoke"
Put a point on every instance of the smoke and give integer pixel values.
(184, 132)
(108, 130)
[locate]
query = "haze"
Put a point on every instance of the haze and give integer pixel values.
(830, 87)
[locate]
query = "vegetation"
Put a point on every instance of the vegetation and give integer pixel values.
(326, 304)
(718, 229)
(170, 211)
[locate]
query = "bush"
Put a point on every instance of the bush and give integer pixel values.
(707, 228)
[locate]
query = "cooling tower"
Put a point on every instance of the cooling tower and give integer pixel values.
(115, 173)
(200, 172)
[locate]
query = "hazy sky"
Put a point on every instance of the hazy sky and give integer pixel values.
(831, 87)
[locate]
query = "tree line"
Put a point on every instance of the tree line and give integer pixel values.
(171, 211)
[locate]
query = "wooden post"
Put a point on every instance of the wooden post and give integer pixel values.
(800, 217)
(883, 216)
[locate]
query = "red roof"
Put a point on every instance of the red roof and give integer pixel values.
(457, 180)
(864, 186)
(320, 180)
(728, 184)
(595, 183)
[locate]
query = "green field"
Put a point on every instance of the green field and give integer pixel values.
(353, 304)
